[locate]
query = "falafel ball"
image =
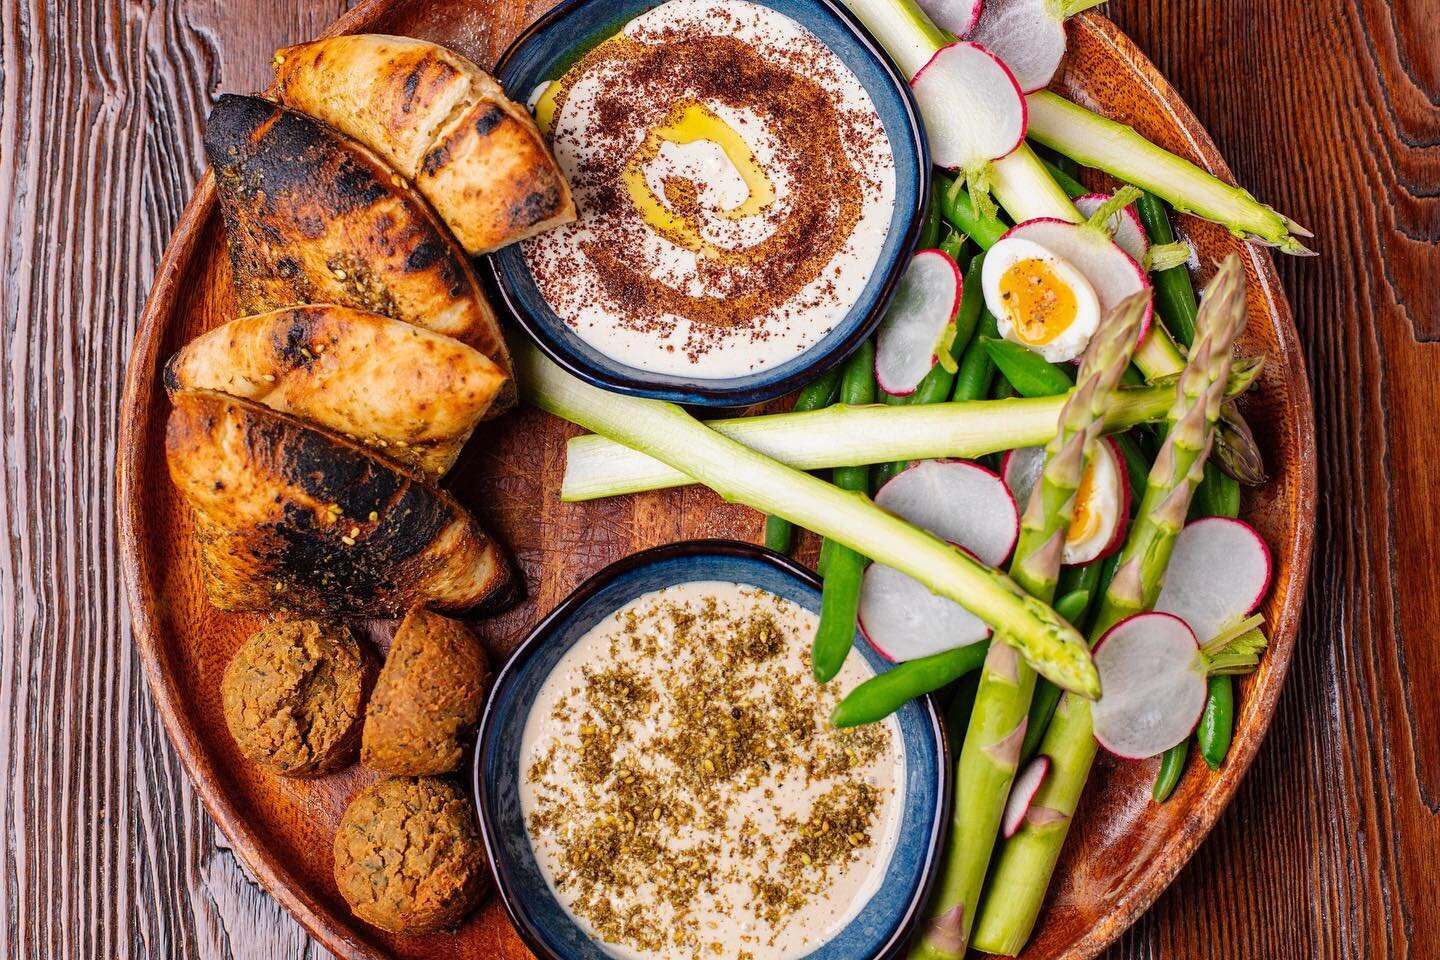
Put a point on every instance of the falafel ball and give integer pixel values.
(408, 858)
(427, 697)
(294, 697)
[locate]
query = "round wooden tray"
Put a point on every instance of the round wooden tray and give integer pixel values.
(1123, 850)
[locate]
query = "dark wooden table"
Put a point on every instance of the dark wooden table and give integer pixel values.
(1328, 108)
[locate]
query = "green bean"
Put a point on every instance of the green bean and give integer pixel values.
(1218, 494)
(1028, 372)
(840, 599)
(1172, 768)
(1217, 723)
(977, 370)
(1072, 187)
(1073, 604)
(985, 228)
(1002, 389)
(884, 693)
(1174, 290)
(930, 226)
(961, 705)
(953, 243)
(779, 533)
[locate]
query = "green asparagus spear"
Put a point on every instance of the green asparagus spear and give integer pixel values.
(991, 753)
(843, 568)
(779, 534)
(884, 693)
(671, 436)
(1026, 861)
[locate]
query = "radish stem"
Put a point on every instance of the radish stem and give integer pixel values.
(746, 476)
(1095, 141)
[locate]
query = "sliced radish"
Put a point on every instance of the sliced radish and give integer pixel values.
(1022, 794)
(954, 16)
(1102, 504)
(1152, 675)
(918, 322)
(1112, 272)
(1026, 34)
(1129, 232)
(973, 109)
(957, 501)
(1039, 299)
(1218, 573)
(904, 620)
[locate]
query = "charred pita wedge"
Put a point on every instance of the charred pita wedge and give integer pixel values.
(410, 392)
(312, 216)
(290, 517)
(441, 121)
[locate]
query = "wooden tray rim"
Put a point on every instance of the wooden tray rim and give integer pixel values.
(339, 935)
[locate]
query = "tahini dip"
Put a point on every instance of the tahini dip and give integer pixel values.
(734, 184)
(684, 792)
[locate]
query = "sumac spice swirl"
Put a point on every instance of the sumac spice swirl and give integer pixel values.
(734, 185)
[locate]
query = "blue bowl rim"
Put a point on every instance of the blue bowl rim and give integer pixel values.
(836, 353)
(898, 938)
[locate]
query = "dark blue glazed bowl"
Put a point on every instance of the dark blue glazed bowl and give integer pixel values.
(550, 45)
(881, 928)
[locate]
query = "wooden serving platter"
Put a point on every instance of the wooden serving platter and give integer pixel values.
(1123, 850)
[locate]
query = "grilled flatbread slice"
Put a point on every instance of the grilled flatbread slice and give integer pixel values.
(290, 517)
(413, 393)
(312, 216)
(477, 156)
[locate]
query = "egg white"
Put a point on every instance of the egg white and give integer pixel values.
(1070, 342)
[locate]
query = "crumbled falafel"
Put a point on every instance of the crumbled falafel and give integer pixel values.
(408, 858)
(294, 697)
(426, 699)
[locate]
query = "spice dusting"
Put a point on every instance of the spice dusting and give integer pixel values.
(691, 799)
(734, 185)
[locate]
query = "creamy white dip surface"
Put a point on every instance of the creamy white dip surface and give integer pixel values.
(734, 185)
(685, 793)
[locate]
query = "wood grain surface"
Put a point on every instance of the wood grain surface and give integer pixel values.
(1328, 109)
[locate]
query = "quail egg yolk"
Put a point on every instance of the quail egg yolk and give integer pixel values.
(1085, 522)
(1041, 305)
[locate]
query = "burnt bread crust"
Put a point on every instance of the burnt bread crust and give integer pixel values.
(427, 697)
(312, 217)
(290, 517)
(475, 154)
(411, 393)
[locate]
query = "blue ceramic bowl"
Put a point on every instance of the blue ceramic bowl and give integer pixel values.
(555, 41)
(881, 927)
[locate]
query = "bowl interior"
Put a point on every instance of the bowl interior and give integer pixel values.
(553, 43)
(537, 913)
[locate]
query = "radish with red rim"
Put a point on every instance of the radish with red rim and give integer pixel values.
(1153, 682)
(1102, 502)
(1022, 794)
(1124, 226)
(973, 109)
(1219, 572)
(957, 501)
(956, 16)
(1029, 35)
(918, 325)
